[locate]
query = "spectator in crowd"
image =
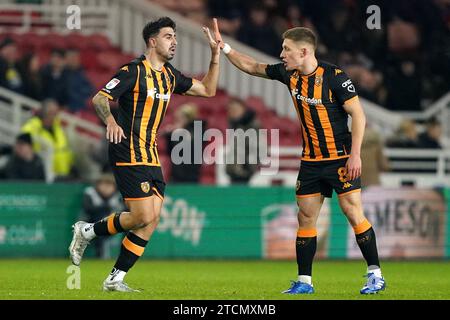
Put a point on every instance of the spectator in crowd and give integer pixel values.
(185, 118)
(29, 70)
(228, 14)
(99, 201)
(24, 163)
(50, 140)
(81, 88)
(406, 60)
(259, 32)
(372, 158)
(429, 139)
(10, 77)
(290, 18)
(403, 82)
(369, 83)
(240, 117)
(55, 78)
(405, 137)
(338, 31)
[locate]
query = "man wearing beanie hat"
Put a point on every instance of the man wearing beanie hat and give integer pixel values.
(24, 164)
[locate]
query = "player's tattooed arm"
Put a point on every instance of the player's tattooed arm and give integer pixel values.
(102, 108)
(114, 132)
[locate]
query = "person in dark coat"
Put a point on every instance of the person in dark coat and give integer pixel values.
(24, 163)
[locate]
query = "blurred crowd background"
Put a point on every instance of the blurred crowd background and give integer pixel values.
(404, 66)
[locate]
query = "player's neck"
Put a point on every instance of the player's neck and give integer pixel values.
(308, 66)
(154, 60)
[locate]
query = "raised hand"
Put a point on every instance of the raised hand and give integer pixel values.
(215, 44)
(217, 33)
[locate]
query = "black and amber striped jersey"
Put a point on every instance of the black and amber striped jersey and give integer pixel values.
(319, 98)
(143, 94)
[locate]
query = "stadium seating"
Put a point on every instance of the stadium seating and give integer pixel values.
(101, 60)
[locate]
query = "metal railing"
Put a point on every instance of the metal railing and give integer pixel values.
(53, 17)
(16, 109)
(418, 167)
(123, 21)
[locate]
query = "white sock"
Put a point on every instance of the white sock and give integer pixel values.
(305, 279)
(375, 270)
(88, 231)
(116, 275)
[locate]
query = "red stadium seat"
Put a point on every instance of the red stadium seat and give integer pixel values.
(89, 59)
(54, 40)
(256, 104)
(77, 40)
(110, 61)
(99, 42)
(98, 79)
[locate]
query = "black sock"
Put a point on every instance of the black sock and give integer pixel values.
(132, 248)
(109, 225)
(306, 249)
(367, 243)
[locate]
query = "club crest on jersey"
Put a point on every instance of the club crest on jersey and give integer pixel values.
(145, 186)
(318, 81)
(112, 84)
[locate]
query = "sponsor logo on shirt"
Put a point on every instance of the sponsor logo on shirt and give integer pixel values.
(298, 96)
(153, 93)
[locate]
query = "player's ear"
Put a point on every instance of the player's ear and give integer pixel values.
(303, 52)
(152, 42)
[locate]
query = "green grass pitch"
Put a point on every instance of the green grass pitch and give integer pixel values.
(221, 280)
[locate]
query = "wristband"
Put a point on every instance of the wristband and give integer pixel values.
(226, 48)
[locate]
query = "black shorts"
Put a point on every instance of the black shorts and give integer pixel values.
(139, 182)
(321, 177)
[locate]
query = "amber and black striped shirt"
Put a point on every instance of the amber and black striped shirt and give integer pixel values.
(319, 98)
(144, 95)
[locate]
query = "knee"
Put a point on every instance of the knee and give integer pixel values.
(304, 213)
(146, 218)
(353, 211)
(305, 217)
(350, 207)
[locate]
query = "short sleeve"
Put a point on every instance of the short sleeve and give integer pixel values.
(342, 87)
(121, 82)
(277, 72)
(182, 83)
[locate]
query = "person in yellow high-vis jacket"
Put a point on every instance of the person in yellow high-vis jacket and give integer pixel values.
(50, 140)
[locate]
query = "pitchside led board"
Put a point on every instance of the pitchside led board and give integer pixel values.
(230, 222)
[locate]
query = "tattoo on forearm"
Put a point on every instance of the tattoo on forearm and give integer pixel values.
(102, 109)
